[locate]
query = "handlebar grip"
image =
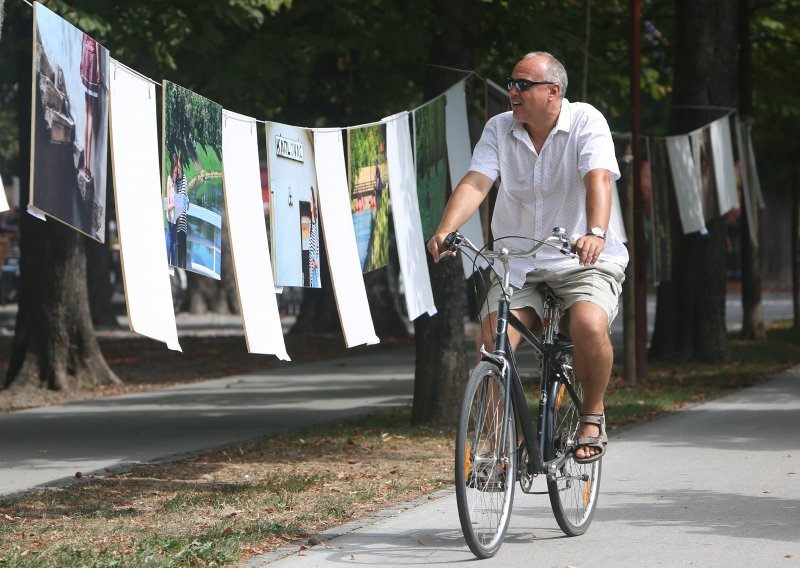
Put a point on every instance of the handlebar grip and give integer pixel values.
(452, 241)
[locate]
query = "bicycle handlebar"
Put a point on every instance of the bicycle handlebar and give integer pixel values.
(558, 239)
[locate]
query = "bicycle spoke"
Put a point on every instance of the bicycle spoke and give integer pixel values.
(485, 471)
(574, 488)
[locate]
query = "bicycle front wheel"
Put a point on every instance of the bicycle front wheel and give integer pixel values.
(575, 487)
(485, 471)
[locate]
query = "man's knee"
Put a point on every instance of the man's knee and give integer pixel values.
(588, 321)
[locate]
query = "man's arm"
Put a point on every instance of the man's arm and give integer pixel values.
(464, 201)
(598, 214)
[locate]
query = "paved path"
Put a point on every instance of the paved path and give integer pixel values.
(43, 446)
(713, 485)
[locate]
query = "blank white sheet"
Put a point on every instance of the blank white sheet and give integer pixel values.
(140, 214)
(248, 235)
(724, 170)
(690, 206)
(3, 198)
(407, 220)
(340, 240)
(616, 222)
(459, 155)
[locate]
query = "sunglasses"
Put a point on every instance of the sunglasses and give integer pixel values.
(524, 84)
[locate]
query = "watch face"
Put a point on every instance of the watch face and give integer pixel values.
(598, 232)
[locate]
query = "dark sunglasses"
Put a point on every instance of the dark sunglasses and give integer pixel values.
(524, 84)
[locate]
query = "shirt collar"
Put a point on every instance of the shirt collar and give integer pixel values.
(563, 123)
(564, 117)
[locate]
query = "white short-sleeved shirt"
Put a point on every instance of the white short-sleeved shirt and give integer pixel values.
(542, 190)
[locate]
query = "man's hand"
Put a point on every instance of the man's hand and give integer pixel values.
(588, 249)
(436, 247)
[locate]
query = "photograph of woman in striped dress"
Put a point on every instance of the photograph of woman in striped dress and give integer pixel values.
(182, 227)
(313, 242)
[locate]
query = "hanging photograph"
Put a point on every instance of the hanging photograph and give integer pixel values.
(294, 206)
(69, 124)
(704, 170)
(368, 174)
(193, 199)
(660, 190)
(430, 154)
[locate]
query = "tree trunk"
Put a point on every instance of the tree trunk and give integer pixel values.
(98, 279)
(318, 311)
(98, 274)
(54, 344)
(441, 366)
(752, 307)
(690, 316)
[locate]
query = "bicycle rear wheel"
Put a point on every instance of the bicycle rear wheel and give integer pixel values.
(485, 472)
(575, 488)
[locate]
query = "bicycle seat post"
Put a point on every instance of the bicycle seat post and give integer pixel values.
(552, 315)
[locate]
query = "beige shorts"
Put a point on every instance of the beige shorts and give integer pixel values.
(600, 284)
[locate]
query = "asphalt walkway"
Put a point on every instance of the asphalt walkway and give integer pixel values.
(46, 446)
(716, 484)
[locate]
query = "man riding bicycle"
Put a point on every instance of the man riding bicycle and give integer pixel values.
(554, 160)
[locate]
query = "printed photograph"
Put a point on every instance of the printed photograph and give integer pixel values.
(193, 199)
(69, 124)
(430, 154)
(294, 213)
(368, 175)
(704, 168)
(660, 190)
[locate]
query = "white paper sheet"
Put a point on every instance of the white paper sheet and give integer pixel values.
(340, 240)
(744, 175)
(140, 217)
(616, 223)
(724, 170)
(754, 179)
(690, 206)
(407, 220)
(248, 236)
(459, 155)
(36, 212)
(3, 199)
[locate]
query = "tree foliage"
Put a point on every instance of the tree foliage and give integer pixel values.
(190, 116)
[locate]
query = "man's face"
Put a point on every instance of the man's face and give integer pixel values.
(532, 103)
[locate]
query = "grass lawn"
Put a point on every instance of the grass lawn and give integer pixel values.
(218, 507)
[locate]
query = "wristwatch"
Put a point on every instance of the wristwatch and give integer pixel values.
(597, 232)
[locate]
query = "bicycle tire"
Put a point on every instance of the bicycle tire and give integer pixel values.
(485, 477)
(575, 489)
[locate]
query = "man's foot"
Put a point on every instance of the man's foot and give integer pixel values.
(592, 439)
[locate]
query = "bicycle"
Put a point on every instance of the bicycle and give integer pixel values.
(490, 456)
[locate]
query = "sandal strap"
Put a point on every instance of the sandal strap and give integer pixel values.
(596, 419)
(595, 441)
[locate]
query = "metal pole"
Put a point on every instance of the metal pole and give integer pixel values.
(628, 288)
(639, 244)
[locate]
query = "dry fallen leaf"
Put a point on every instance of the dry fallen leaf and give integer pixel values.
(227, 531)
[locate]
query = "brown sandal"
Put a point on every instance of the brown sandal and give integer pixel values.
(600, 442)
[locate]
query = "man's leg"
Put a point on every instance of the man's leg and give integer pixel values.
(592, 359)
(489, 325)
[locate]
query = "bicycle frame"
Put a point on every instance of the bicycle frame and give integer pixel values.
(514, 394)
